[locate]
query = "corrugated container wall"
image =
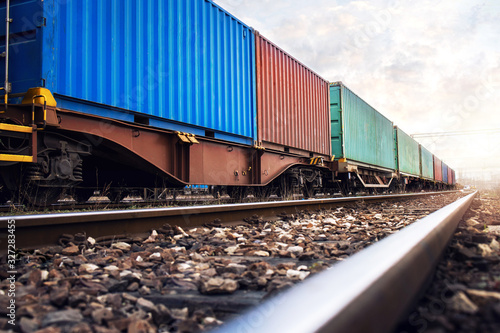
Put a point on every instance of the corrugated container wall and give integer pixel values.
(187, 61)
(359, 132)
(450, 176)
(292, 102)
(407, 153)
(438, 169)
(445, 173)
(454, 177)
(426, 162)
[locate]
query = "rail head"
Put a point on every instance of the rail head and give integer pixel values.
(34, 231)
(132, 214)
(368, 292)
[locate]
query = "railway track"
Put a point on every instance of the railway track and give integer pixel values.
(105, 204)
(44, 229)
(190, 280)
(369, 292)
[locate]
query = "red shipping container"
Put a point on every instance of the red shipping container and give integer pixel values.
(293, 107)
(450, 176)
(438, 169)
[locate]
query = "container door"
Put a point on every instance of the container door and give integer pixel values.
(24, 44)
(336, 122)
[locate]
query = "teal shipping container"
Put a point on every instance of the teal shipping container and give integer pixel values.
(407, 154)
(426, 163)
(359, 132)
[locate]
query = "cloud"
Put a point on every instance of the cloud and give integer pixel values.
(430, 66)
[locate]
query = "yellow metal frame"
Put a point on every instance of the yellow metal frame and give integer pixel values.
(16, 158)
(316, 161)
(187, 137)
(35, 95)
(15, 128)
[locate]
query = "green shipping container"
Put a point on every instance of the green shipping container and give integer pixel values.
(359, 132)
(426, 163)
(408, 157)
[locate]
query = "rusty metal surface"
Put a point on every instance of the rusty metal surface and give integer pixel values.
(214, 163)
(37, 230)
(292, 102)
(143, 142)
(211, 162)
(369, 291)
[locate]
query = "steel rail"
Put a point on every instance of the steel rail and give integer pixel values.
(368, 292)
(38, 230)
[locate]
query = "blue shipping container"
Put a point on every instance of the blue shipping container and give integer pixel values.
(185, 64)
(445, 173)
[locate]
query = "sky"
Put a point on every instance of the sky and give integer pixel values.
(429, 66)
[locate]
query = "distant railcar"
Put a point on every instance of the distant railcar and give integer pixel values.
(362, 142)
(445, 173)
(426, 164)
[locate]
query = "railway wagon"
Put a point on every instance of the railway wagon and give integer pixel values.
(444, 168)
(438, 169)
(426, 164)
(117, 95)
(407, 159)
(362, 142)
(293, 103)
(293, 116)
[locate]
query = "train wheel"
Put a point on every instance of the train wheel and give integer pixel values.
(22, 181)
(215, 191)
(82, 195)
(41, 196)
(237, 192)
(263, 192)
(308, 190)
(117, 195)
(285, 190)
(5, 195)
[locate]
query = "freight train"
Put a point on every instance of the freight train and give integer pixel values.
(120, 95)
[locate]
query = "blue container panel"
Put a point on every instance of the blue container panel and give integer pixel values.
(25, 61)
(445, 173)
(186, 61)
